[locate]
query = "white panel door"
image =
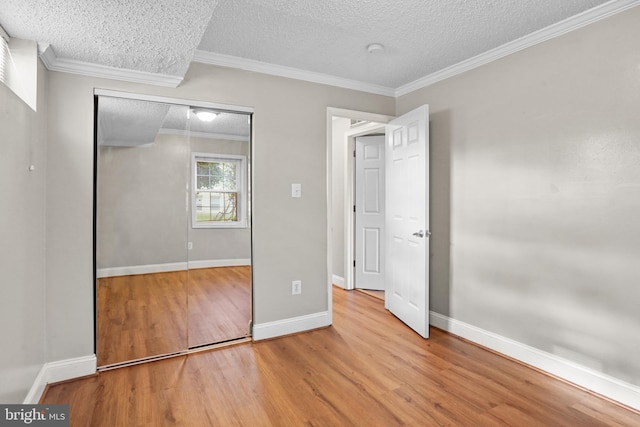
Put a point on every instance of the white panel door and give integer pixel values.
(369, 211)
(407, 219)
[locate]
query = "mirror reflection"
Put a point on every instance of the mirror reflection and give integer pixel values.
(173, 246)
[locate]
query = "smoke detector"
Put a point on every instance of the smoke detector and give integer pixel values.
(375, 48)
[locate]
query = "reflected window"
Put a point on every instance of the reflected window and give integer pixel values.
(219, 191)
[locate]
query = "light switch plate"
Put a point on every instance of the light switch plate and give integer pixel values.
(296, 190)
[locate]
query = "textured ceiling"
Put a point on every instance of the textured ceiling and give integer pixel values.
(420, 36)
(329, 37)
(131, 122)
(156, 36)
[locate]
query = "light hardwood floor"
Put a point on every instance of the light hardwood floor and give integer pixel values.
(148, 315)
(141, 316)
(368, 369)
(219, 304)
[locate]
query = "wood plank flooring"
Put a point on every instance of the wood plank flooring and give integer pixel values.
(372, 293)
(219, 304)
(147, 315)
(368, 369)
(141, 316)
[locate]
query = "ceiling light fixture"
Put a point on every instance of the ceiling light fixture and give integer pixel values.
(375, 47)
(205, 115)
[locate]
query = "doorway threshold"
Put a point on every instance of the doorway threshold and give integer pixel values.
(375, 294)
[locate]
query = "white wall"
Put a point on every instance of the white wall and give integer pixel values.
(290, 240)
(535, 167)
(22, 241)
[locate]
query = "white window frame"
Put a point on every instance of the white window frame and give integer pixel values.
(241, 181)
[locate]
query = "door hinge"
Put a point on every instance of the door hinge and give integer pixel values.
(354, 263)
(354, 208)
(354, 153)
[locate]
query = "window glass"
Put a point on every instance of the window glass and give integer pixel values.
(218, 190)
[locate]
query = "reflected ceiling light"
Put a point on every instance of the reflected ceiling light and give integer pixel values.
(205, 115)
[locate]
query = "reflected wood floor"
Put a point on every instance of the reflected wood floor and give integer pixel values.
(147, 315)
(141, 316)
(368, 369)
(219, 304)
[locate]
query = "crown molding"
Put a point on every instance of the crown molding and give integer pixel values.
(563, 27)
(53, 63)
(288, 72)
(598, 13)
(4, 34)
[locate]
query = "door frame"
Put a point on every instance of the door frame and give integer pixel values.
(380, 120)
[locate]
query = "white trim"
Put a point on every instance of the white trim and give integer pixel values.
(219, 263)
(61, 370)
(358, 115)
(288, 72)
(129, 270)
(337, 280)
(63, 65)
(605, 385)
(172, 266)
(170, 100)
(563, 27)
(349, 187)
(292, 325)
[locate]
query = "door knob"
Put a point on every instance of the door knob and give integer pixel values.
(421, 233)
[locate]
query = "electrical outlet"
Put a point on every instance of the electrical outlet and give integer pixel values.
(296, 287)
(189, 245)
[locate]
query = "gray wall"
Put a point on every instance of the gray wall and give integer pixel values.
(338, 177)
(22, 241)
(535, 196)
(141, 205)
(290, 238)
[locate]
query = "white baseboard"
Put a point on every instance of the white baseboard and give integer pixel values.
(219, 263)
(605, 385)
(141, 269)
(338, 281)
(172, 266)
(263, 331)
(61, 370)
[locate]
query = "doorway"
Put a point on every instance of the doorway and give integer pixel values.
(172, 226)
(406, 220)
(343, 126)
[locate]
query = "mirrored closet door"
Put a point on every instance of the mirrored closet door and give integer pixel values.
(173, 245)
